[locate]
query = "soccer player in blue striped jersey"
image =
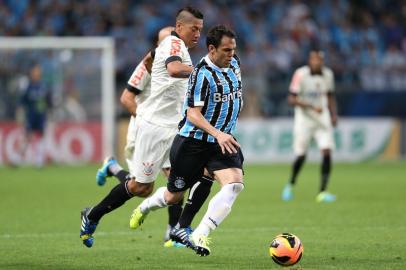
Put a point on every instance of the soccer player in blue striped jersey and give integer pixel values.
(211, 108)
(223, 105)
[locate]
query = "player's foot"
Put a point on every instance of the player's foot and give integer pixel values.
(182, 236)
(137, 218)
(287, 193)
(168, 241)
(325, 197)
(175, 244)
(166, 235)
(201, 243)
(103, 172)
(87, 228)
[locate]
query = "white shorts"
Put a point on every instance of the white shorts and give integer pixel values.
(302, 136)
(147, 149)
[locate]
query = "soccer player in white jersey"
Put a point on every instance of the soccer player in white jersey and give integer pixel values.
(132, 98)
(312, 95)
(158, 123)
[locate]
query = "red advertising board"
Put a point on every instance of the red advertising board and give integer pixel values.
(65, 143)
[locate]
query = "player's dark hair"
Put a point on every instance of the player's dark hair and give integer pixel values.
(216, 34)
(196, 13)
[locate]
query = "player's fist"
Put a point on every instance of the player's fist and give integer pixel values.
(227, 143)
(317, 109)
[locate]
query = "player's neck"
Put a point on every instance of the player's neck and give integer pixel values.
(211, 61)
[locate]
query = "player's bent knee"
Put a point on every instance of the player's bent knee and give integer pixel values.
(140, 189)
(173, 198)
(144, 191)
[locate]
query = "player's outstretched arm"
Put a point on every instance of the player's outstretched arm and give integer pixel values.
(148, 60)
(332, 107)
(127, 99)
(178, 70)
(226, 141)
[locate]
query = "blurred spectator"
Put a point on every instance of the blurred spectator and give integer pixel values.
(274, 37)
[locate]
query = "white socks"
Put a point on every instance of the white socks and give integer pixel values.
(219, 208)
(156, 201)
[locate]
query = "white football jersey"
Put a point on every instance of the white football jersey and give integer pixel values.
(163, 106)
(141, 80)
(312, 88)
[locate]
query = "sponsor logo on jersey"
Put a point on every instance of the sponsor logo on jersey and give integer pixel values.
(175, 47)
(218, 97)
(137, 75)
(147, 168)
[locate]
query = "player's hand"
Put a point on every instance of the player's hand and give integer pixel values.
(334, 120)
(317, 109)
(227, 143)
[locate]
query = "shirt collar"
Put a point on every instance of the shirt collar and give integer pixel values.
(313, 73)
(211, 64)
(173, 33)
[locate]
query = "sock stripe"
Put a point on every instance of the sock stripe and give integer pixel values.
(192, 190)
(207, 178)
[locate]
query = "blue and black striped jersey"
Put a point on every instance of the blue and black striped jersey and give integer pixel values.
(219, 92)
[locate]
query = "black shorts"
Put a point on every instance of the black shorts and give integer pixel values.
(190, 156)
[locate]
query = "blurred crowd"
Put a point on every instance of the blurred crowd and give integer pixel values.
(364, 41)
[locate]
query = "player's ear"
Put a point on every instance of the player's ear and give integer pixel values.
(178, 27)
(211, 48)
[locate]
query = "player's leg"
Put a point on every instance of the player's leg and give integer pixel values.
(91, 216)
(187, 157)
(231, 181)
(40, 152)
(301, 140)
(147, 165)
(197, 196)
(160, 138)
(111, 167)
(325, 141)
(174, 212)
(227, 170)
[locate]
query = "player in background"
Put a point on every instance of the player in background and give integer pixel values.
(211, 108)
(312, 95)
(157, 124)
(35, 103)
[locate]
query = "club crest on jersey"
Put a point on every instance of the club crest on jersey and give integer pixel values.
(147, 168)
(179, 182)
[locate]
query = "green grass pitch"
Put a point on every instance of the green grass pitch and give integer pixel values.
(364, 229)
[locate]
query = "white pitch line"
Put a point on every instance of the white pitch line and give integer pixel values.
(157, 231)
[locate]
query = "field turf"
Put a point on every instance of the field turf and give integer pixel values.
(364, 229)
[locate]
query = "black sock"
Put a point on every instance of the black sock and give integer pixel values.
(197, 196)
(325, 172)
(123, 176)
(174, 212)
(297, 165)
(116, 198)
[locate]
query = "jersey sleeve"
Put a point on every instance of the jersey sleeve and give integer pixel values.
(173, 48)
(294, 87)
(139, 79)
(198, 88)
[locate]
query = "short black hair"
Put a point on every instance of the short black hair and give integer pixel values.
(216, 33)
(195, 12)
